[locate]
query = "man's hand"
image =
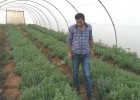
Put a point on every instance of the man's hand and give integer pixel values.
(69, 55)
(91, 53)
(69, 52)
(91, 48)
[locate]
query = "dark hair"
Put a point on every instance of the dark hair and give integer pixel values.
(79, 16)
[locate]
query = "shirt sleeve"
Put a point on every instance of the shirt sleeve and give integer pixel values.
(70, 36)
(90, 34)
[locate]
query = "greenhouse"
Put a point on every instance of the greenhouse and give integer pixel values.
(69, 50)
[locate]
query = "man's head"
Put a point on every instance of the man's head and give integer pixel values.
(80, 19)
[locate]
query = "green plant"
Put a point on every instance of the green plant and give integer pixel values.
(40, 79)
(121, 57)
(107, 79)
(60, 36)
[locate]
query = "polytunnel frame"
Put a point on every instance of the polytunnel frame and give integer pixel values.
(29, 5)
(35, 11)
(58, 11)
(32, 16)
(111, 21)
(48, 9)
(26, 9)
(75, 10)
(108, 15)
(72, 6)
(35, 3)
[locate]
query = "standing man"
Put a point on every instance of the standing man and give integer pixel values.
(80, 49)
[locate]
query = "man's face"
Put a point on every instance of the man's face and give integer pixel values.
(80, 22)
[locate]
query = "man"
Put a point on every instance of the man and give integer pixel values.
(80, 48)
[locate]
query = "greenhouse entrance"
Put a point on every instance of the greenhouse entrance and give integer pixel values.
(15, 17)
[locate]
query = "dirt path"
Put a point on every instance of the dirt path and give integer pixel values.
(64, 68)
(9, 89)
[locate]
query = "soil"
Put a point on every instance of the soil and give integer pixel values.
(11, 88)
(110, 61)
(131, 70)
(9, 81)
(62, 66)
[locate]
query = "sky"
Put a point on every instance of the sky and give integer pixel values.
(125, 14)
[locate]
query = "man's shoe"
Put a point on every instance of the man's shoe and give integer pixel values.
(91, 97)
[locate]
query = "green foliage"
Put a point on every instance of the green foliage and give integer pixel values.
(60, 36)
(1, 27)
(4, 56)
(121, 57)
(121, 94)
(48, 41)
(111, 82)
(40, 79)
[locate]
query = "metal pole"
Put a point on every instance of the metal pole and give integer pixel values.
(111, 21)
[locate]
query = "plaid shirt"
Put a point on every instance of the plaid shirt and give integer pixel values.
(79, 39)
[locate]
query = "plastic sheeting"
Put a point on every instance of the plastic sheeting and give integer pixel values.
(125, 14)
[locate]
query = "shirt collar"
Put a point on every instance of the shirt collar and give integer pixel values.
(85, 25)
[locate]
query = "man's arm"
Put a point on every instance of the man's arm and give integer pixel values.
(69, 51)
(91, 43)
(69, 47)
(69, 44)
(91, 47)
